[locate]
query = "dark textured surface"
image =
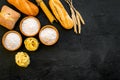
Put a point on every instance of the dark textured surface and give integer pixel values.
(93, 55)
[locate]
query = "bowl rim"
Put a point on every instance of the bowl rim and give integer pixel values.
(49, 26)
(20, 26)
(4, 36)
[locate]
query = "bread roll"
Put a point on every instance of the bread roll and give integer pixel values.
(8, 17)
(25, 6)
(61, 14)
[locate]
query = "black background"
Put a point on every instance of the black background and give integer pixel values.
(93, 55)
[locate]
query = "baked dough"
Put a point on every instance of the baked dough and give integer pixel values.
(8, 17)
(25, 6)
(61, 14)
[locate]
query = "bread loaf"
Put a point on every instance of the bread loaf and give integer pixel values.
(25, 6)
(61, 14)
(8, 17)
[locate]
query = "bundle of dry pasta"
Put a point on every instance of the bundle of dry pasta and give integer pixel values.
(76, 17)
(46, 10)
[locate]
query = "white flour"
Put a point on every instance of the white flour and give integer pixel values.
(12, 41)
(30, 26)
(48, 35)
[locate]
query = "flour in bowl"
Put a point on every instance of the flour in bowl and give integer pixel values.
(12, 41)
(30, 26)
(48, 35)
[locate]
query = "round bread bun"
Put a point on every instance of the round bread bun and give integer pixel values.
(48, 35)
(12, 40)
(29, 26)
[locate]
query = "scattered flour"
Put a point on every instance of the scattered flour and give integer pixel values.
(48, 35)
(30, 26)
(12, 41)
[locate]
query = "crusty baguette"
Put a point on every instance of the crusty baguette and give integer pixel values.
(25, 6)
(61, 14)
(8, 17)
